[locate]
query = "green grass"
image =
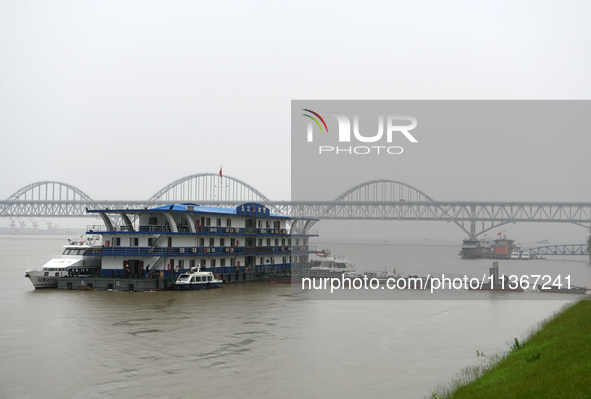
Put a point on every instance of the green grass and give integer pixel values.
(555, 362)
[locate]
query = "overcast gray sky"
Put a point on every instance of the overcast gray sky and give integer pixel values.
(119, 98)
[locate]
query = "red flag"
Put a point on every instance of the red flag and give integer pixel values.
(497, 234)
(220, 171)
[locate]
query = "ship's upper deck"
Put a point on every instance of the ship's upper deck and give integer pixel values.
(248, 218)
(247, 209)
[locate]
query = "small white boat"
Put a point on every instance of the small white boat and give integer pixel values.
(324, 262)
(197, 280)
(76, 260)
(321, 264)
(525, 255)
(515, 254)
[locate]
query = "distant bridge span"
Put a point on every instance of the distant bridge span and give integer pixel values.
(566, 249)
(373, 200)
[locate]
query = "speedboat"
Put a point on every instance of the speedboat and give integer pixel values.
(197, 280)
(76, 260)
(515, 254)
(525, 255)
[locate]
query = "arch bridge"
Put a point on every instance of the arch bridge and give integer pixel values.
(373, 200)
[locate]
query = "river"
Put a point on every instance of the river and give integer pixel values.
(259, 340)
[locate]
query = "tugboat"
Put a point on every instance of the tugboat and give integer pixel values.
(499, 248)
(197, 280)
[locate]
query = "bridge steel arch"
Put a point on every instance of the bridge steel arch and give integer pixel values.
(49, 191)
(385, 191)
(373, 200)
(211, 188)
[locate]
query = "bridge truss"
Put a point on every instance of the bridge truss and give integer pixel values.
(374, 200)
(568, 249)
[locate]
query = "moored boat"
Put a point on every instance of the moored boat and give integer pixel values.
(321, 265)
(197, 280)
(561, 289)
(499, 248)
(76, 260)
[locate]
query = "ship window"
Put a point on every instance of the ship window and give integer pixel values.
(153, 221)
(207, 221)
(277, 241)
(212, 263)
(46, 274)
(117, 241)
(191, 263)
(232, 242)
(297, 241)
(268, 242)
(267, 224)
(232, 261)
(57, 274)
(223, 262)
(260, 242)
(211, 242)
(228, 222)
(222, 242)
(66, 252)
(203, 262)
(201, 242)
(208, 278)
(218, 222)
(193, 279)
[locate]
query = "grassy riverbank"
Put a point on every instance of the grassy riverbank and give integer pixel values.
(555, 362)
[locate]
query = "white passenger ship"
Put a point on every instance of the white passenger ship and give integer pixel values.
(76, 260)
(146, 249)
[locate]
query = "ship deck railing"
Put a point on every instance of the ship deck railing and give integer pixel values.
(189, 251)
(198, 230)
